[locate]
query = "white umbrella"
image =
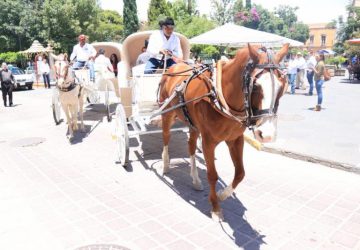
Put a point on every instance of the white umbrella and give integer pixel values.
(238, 36)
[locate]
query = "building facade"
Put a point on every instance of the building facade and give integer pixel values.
(321, 37)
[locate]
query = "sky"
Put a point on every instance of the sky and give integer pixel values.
(310, 11)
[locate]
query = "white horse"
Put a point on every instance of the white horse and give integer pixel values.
(71, 95)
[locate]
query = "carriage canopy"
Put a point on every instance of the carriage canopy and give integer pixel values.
(133, 44)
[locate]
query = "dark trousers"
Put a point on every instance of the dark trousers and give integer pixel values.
(153, 64)
(46, 77)
(6, 89)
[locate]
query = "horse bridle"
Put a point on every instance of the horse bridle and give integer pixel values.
(71, 84)
(253, 115)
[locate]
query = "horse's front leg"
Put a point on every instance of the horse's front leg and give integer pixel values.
(194, 135)
(236, 148)
(68, 119)
(167, 121)
(81, 110)
(74, 114)
(209, 154)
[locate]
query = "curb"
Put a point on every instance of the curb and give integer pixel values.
(313, 159)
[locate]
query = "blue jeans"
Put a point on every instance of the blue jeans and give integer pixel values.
(153, 64)
(89, 64)
(292, 78)
(318, 86)
(310, 77)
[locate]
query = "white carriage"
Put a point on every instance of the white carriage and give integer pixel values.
(105, 88)
(138, 93)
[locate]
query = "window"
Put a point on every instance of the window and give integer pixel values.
(323, 40)
(312, 40)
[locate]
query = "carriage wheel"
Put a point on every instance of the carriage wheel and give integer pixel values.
(107, 104)
(93, 97)
(56, 106)
(121, 136)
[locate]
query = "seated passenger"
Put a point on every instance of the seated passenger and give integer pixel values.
(144, 56)
(163, 45)
(103, 62)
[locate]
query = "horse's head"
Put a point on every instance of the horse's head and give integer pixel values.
(61, 67)
(267, 84)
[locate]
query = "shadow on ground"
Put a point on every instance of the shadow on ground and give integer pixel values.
(181, 183)
(94, 113)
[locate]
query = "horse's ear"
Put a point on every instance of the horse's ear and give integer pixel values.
(280, 55)
(254, 55)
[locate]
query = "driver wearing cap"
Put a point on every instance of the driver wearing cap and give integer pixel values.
(84, 54)
(163, 45)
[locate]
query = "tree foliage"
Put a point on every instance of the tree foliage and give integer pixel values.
(111, 26)
(158, 9)
(282, 21)
(131, 20)
(223, 11)
(56, 21)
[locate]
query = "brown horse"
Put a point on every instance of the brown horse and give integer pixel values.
(254, 104)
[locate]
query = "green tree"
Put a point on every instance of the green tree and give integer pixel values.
(223, 11)
(19, 23)
(110, 27)
(248, 4)
(287, 14)
(158, 9)
(131, 20)
(64, 20)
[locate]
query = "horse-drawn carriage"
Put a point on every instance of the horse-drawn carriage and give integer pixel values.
(139, 92)
(354, 72)
(105, 83)
(245, 94)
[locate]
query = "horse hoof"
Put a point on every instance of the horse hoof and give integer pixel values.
(217, 216)
(224, 193)
(198, 186)
(165, 170)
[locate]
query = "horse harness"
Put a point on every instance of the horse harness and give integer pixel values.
(73, 83)
(247, 115)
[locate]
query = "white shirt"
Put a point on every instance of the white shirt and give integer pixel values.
(158, 41)
(301, 63)
(143, 58)
(83, 53)
(311, 63)
(44, 68)
(292, 67)
(104, 61)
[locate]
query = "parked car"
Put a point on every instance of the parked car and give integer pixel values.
(21, 78)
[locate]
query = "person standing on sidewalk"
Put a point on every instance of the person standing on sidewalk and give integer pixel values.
(6, 79)
(291, 72)
(319, 79)
(301, 66)
(311, 63)
(45, 71)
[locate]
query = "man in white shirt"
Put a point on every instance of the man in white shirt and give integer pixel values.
(311, 63)
(84, 54)
(101, 59)
(164, 46)
(301, 66)
(291, 71)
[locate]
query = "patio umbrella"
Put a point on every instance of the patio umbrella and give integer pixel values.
(232, 35)
(327, 51)
(355, 41)
(35, 48)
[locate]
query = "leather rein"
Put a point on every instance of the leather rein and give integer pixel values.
(246, 116)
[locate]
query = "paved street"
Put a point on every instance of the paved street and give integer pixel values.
(332, 134)
(57, 195)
